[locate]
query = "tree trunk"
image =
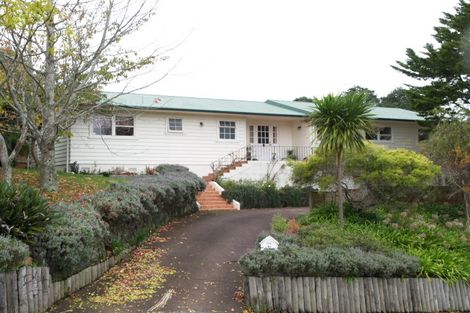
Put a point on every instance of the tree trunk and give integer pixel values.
(339, 188)
(4, 159)
(47, 172)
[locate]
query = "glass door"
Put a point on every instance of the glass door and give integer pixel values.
(263, 134)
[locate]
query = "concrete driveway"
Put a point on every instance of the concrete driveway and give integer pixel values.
(203, 249)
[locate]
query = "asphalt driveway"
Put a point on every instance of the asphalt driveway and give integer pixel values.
(203, 249)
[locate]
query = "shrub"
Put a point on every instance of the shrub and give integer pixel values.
(258, 194)
(171, 168)
(279, 224)
(76, 240)
(389, 174)
(292, 260)
(12, 253)
(24, 212)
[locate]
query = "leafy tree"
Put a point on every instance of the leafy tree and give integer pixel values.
(65, 52)
(370, 94)
(445, 67)
(340, 123)
(389, 174)
(304, 99)
(449, 146)
(397, 98)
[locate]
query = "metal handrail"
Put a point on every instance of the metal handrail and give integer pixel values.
(259, 152)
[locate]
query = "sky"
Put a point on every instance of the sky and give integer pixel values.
(272, 49)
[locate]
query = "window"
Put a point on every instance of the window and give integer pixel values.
(251, 134)
(103, 126)
(113, 125)
(380, 134)
(226, 130)
(175, 125)
(263, 134)
(124, 126)
(275, 135)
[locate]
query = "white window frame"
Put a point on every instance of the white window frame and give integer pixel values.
(377, 133)
(113, 126)
(123, 126)
(174, 130)
(220, 126)
(272, 135)
(251, 134)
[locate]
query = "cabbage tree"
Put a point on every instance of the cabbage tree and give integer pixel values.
(340, 123)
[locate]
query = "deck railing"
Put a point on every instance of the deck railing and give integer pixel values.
(260, 153)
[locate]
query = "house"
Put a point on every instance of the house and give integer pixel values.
(251, 138)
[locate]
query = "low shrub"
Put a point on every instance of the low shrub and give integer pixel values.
(13, 252)
(258, 194)
(293, 260)
(279, 224)
(24, 212)
(171, 168)
(77, 239)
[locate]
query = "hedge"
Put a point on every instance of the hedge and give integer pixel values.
(13, 252)
(294, 260)
(85, 232)
(254, 194)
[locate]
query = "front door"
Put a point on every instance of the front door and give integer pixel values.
(263, 135)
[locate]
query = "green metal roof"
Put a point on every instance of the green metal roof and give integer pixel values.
(380, 113)
(172, 103)
(270, 107)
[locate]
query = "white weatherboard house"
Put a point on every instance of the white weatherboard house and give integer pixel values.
(207, 134)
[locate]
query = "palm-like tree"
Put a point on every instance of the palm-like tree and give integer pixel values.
(340, 123)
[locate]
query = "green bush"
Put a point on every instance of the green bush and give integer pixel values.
(77, 239)
(171, 168)
(258, 194)
(24, 212)
(389, 174)
(293, 260)
(279, 224)
(12, 253)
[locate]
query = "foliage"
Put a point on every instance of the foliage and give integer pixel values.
(435, 234)
(76, 240)
(293, 260)
(397, 98)
(24, 212)
(389, 174)
(263, 194)
(393, 174)
(147, 201)
(13, 252)
(340, 123)
(170, 168)
(449, 146)
(445, 66)
(371, 96)
(279, 223)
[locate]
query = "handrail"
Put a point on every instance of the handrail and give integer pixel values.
(261, 153)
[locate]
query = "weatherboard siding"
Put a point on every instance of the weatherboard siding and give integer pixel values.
(196, 147)
(404, 134)
(61, 154)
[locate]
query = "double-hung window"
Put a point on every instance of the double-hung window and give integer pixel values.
(175, 125)
(227, 130)
(380, 134)
(113, 126)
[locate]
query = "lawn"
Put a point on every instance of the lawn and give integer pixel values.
(71, 186)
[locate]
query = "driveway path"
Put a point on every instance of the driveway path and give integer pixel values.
(203, 249)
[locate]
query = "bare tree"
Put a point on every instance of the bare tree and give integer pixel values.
(68, 51)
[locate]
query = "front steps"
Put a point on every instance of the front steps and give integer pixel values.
(209, 200)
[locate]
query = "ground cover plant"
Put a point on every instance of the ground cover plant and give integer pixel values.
(263, 194)
(383, 241)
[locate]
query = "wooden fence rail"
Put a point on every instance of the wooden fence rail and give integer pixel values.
(356, 295)
(31, 289)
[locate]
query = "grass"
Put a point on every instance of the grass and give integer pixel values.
(71, 186)
(437, 235)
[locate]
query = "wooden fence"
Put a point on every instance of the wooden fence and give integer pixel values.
(31, 290)
(356, 295)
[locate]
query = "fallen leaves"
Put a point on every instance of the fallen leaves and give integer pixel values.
(136, 279)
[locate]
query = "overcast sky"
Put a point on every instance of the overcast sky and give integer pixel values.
(270, 49)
